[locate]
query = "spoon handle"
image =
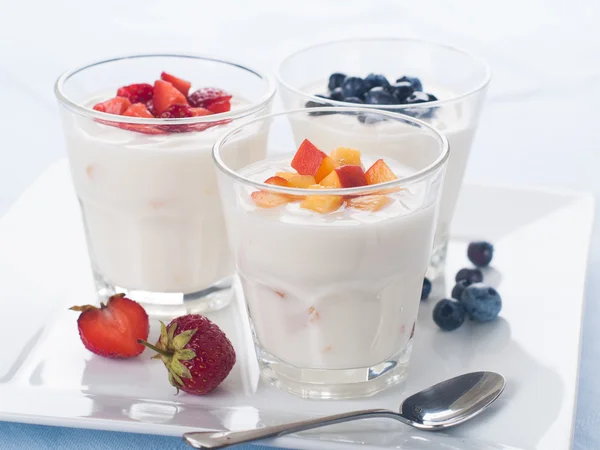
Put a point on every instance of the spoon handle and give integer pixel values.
(222, 439)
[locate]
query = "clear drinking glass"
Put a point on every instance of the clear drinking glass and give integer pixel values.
(147, 187)
(332, 298)
(457, 79)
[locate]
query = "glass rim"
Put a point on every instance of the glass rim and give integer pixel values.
(420, 175)
(481, 86)
(85, 111)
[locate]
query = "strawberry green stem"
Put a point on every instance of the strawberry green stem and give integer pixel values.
(153, 347)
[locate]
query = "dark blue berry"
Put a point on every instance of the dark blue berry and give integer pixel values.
(448, 314)
(313, 104)
(432, 98)
(336, 80)
(402, 90)
(370, 118)
(480, 253)
(414, 82)
(482, 302)
(471, 275)
(374, 80)
(353, 100)
(426, 289)
(417, 97)
(336, 94)
(379, 96)
(459, 288)
(354, 87)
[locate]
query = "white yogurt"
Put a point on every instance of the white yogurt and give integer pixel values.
(332, 291)
(151, 206)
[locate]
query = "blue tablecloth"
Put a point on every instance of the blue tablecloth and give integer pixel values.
(18, 436)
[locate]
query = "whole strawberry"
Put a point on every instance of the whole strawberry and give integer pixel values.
(113, 330)
(197, 354)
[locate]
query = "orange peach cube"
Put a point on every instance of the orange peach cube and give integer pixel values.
(325, 169)
(344, 156)
(369, 202)
(309, 160)
(301, 181)
(266, 199)
(322, 203)
(351, 176)
(286, 175)
(379, 172)
(331, 181)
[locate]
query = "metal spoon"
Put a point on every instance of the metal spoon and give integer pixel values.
(443, 405)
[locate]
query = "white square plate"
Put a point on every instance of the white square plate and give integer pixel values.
(541, 240)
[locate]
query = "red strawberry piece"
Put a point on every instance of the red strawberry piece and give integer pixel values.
(138, 110)
(116, 105)
(205, 96)
(181, 85)
(197, 112)
(113, 330)
(165, 95)
(196, 353)
(176, 112)
(219, 107)
(136, 93)
(150, 106)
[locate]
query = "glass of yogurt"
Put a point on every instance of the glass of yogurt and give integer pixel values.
(332, 276)
(439, 84)
(147, 186)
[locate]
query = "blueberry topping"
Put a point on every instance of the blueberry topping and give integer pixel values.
(426, 289)
(417, 97)
(313, 104)
(336, 94)
(379, 96)
(459, 288)
(354, 87)
(482, 302)
(353, 100)
(336, 80)
(471, 275)
(370, 118)
(414, 82)
(448, 314)
(432, 98)
(374, 80)
(402, 91)
(480, 253)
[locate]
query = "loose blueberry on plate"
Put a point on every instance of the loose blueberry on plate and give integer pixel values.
(402, 91)
(471, 275)
(374, 80)
(426, 289)
(414, 82)
(336, 80)
(480, 253)
(448, 314)
(354, 87)
(337, 94)
(459, 288)
(353, 100)
(482, 302)
(380, 96)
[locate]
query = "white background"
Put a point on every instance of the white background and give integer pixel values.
(540, 125)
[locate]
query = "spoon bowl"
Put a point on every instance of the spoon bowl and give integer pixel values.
(440, 406)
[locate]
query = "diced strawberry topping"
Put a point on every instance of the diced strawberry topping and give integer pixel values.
(197, 112)
(205, 96)
(181, 85)
(136, 93)
(176, 112)
(165, 95)
(116, 105)
(138, 110)
(219, 107)
(150, 106)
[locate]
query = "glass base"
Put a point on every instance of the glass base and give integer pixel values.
(173, 304)
(334, 383)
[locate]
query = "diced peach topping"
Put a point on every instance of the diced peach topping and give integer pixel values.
(344, 156)
(301, 181)
(326, 168)
(286, 175)
(351, 176)
(266, 199)
(331, 181)
(309, 160)
(277, 181)
(379, 172)
(369, 202)
(322, 203)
